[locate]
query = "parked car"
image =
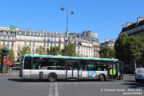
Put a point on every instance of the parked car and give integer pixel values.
(139, 74)
(17, 66)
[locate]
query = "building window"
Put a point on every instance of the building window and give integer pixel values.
(33, 43)
(47, 44)
(54, 39)
(3, 43)
(25, 43)
(59, 40)
(54, 44)
(12, 44)
(29, 43)
(33, 50)
(9, 33)
(18, 48)
(4, 32)
(19, 33)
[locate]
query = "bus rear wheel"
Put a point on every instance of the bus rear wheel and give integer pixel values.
(101, 77)
(52, 77)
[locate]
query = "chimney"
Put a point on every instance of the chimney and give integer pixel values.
(29, 29)
(140, 19)
(42, 31)
(128, 24)
(17, 28)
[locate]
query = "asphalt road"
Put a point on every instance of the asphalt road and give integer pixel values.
(15, 86)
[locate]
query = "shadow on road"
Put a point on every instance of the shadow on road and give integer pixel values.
(134, 84)
(26, 80)
(38, 80)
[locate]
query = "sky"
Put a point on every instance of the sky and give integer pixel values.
(104, 17)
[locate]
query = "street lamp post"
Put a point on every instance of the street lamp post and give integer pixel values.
(67, 34)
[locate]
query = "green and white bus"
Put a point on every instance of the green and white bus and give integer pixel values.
(53, 68)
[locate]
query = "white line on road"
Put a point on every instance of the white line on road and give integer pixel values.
(53, 90)
(50, 93)
(56, 89)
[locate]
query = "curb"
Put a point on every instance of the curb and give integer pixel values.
(9, 74)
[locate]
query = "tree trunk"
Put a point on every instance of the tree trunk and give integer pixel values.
(134, 64)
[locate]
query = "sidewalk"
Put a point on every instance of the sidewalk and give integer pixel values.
(10, 73)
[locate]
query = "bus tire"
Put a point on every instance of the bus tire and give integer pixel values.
(101, 77)
(52, 77)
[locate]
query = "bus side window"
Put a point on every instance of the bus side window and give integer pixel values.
(36, 63)
(99, 68)
(82, 65)
(27, 63)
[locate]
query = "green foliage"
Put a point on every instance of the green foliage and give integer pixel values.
(129, 48)
(41, 51)
(25, 50)
(107, 52)
(121, 50)
(63, 52)
(135, 46)
(69, 50)
(54, 50)
(11, 55)
(0, 53)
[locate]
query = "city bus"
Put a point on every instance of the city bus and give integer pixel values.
(53, 68)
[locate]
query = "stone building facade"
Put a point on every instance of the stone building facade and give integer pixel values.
(20, 38)
(136, 29)
(109, 43)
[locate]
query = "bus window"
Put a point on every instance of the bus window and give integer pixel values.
(82, 65)
(91, 66)
(48, 64)
(56, 64)
(69, 66)
(27, 63)
(36, 63)
(101, 66)
(72, 66)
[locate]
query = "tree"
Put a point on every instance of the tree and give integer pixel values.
(107, 52)
(121, 50)
(135, 46)
(11, 55)
(41, 51)
(0, 53)
(25, 50)
(54, 50)
(69, 50)
(129, 48)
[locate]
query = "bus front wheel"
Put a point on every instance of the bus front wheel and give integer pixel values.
(52, 77)
(101, 77)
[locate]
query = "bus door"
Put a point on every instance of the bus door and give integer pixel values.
(112, 70)
(72, 69)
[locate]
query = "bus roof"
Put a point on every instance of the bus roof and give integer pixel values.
(70, 57)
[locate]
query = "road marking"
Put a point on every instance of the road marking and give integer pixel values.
(50, 93)
(53, 90)
(56, 89)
